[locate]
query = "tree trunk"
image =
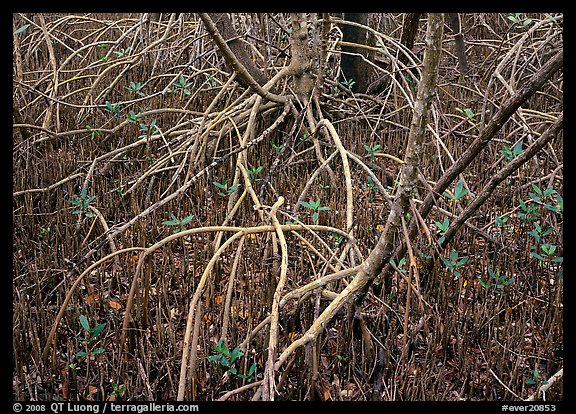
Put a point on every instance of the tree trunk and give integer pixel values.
(226, 29)
(352, 64)
(379, 256)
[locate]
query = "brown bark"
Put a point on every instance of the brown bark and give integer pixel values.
(226, 29)
(353, 67)
(495, 124)
(409, 30)
(501, 175)
(357, 288)
(240, 67)
(456, 27)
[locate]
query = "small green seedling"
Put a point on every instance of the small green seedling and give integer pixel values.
(348, 83)
(113, 108)
(399, 265)
(93, 132)
(500, 281)
(443, 227)
(117, 390)
(315, 207)
(136, 88)
(459, 192)
(211, 81)
(226, 191)
(536, 379)
(546, 197)
(519, 21)
(528, 213)
(91, 337)
(254, 171)
(469, 113)
(45, 233)
(277, 148)
(123, 52)
(82, 202)
(321, 184)
(229, 359)
(371, 187)
(372, 150)
(453, 262)
(148, 130)
(180, 225)
(182, 85)
(295, 217)
(339, 239)
(510, 153)
(134, 117)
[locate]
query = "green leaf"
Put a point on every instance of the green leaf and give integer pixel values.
(534, 197)
(530, 382)
(315, 217)
(84, 322)
(98, 329)
(558, 259)
(220, 346)
(224, 361)
(443, 226)
(252, 369)
(401, 263)
(453, 256)
(306, 204)
(324, 208)
(517, 149)
(81, 338)
(223, 186)
(462, 261)
(447, 263)
(485, 285)
(233, 371)
(171, 222)
(537, 227)
(536, 255)
(560, 202)
(187, 219)
(549, 249)
(214, 358)
(537, 189)
(21, 29)
(81, 354)
(460, 191)
(548, 192)
(236, 353)
(523, 205)
(98, 351)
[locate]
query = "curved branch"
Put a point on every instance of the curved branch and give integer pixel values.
(371, 267)
(233, 61)
(501, 175)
